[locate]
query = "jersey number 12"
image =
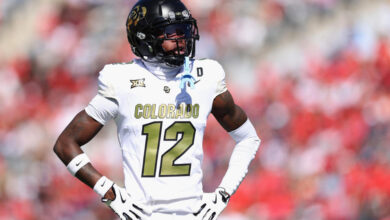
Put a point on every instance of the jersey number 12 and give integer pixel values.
(167, 162)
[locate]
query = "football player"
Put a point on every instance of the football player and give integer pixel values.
(160, 104)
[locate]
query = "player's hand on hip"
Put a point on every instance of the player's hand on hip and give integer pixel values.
(212, 204)
(124, 207)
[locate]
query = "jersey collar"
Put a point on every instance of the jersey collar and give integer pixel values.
(162, 71)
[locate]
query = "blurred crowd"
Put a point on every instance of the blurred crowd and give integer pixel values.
(321, 105)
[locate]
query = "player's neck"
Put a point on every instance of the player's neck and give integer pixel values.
(162, 71)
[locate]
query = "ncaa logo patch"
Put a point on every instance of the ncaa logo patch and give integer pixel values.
(137, 83)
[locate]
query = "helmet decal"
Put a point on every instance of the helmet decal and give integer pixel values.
(136, 14)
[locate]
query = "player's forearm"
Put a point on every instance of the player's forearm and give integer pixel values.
(66, 150)
(247, 144)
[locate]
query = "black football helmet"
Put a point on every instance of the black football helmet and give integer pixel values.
(150, 22)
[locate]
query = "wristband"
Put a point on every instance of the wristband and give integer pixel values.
(102, 186)
(77, 163)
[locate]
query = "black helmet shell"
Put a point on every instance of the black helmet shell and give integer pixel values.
(146, 21)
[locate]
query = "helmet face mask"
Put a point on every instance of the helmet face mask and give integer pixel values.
(152, 22)
(181, 35)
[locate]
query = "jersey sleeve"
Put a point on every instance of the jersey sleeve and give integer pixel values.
(220, 78)
(104, 106)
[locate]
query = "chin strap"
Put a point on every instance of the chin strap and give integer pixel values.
(187, 77)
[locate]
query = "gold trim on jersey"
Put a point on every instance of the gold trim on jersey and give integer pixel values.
(166, 111)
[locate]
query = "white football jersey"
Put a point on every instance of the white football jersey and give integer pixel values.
(160, 136)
